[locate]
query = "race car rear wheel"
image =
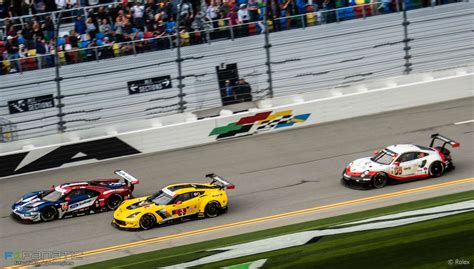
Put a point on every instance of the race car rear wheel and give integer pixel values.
(113, 201)
(379, 180)
(147, 221)
(48, 214)
(436, 169)
(212, 209)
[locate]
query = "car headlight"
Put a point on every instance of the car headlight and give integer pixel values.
(133, 215)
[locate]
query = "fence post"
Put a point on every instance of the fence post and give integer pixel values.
(303, 24)
(58, 78)
(363, 11)
(406, 40)
(267, 47)
(231, 30)
(179, 61)
(208, 37)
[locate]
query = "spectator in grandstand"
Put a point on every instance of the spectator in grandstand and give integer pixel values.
(228, 94)
(212, 13)
(253, 10)
(119, 29)
(23, 51)
(102, 14)
(73, 39)
(243, 14)
(12, 48)
(27, 35)
(186, 14)
(48, 28)
(50, 5)
(138, 11)
(80, 27)
(387, 6)
(90, 29)
(41, 48)
(3, 13)
(37, 31)
(229, 90)
(232, 16)
(61, 4)
(170, 26)
(243, 91)
(105, 27)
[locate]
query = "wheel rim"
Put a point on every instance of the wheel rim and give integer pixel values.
(114, 202)
(379, 180)
(48, 214)
(212, 210)
(436, 169)
(146, 221)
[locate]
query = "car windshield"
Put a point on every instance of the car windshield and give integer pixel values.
(383, 157)
(51, 196)
(160, 198)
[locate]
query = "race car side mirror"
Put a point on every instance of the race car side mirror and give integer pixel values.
(179, 202)
(376, 152)
(67, 199)
(396, 163)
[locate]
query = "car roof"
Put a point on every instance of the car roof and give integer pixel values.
(402, 148)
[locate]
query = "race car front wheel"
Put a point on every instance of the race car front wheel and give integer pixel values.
(113, 201)
(436, 169)
(147, 221)
(212, 209)
(379, 180)
(48, 214)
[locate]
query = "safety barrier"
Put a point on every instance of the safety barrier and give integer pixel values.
(270, 115)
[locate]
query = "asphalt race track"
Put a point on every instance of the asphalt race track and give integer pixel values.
(274, 173)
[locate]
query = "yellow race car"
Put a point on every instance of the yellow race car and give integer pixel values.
(174, 202)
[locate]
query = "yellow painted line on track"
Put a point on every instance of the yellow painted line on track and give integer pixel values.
(241, 223)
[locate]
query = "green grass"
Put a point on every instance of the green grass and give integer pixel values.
(428, 244)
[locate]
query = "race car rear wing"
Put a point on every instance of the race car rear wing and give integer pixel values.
(221, 182)
(129, 178)
(443, 139)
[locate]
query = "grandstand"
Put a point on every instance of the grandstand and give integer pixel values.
(329, 55)
(112, 30)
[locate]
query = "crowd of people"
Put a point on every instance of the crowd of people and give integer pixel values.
(113, 27)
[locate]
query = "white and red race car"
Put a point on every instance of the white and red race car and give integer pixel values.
(401, 162)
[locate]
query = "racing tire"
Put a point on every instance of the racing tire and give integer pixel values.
(147, 221)
(113, 201)
(48, 214)
(436, 169)
(212, 209)
(379, 180)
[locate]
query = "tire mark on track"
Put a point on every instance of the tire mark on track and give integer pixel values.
(277, 188)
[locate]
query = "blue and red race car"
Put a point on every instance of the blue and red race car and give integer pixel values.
(76, 198)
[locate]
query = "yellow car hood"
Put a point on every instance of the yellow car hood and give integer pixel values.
(131, 206)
